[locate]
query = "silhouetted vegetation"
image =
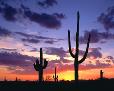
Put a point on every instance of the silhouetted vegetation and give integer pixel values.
(48, 78)
(76, 55)
(5, 79)
(40, 65)
(55, 76)
(101, 74)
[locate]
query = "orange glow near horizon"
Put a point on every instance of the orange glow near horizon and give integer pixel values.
(66, 75)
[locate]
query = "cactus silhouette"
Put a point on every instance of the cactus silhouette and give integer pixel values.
(40, 65)
(75, 56)
(101, 74)
(16, 79)
(55, 77)
(5, 79)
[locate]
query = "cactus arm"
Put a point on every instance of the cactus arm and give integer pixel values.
(85, 55)
(53, 76)
(37, 62)
(45, 64)
(36, 67)
(69, 43)
(57, 76)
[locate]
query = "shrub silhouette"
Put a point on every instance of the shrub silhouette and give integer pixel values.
(48, 78)
(40, 65)
(55, 76)
(75, 56)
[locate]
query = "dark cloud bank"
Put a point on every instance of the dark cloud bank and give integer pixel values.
(107, 18)
(52, 21)
(97, 37)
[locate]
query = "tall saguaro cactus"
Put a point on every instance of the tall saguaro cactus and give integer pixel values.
(76, 55)
(55, 76)
(40, 65)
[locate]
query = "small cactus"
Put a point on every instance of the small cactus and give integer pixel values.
(40, 65)
(101, 74)
(5, 79)
(16, 79)
(55, 77)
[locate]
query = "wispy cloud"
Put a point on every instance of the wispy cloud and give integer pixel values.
(55, 51)
(4, 32)
(47, 3)
(37, 39)
(50, 41)
(8, 49)
(31, 40)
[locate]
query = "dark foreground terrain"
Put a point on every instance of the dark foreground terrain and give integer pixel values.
(90, 85)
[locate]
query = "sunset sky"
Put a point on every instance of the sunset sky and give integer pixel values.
(28, 25)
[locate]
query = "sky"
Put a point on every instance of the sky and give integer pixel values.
(28, 25)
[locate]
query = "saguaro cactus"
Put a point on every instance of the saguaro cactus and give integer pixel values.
(101, 74)
(40, 65)
(76, 55)
(55, 77)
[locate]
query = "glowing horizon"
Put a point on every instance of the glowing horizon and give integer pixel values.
(91, 74)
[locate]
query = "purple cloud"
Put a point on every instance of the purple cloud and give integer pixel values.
(33, 36)
(4, 32)
(45, 20)
(15, 59)
(52, 21)
(8, 49)
(110, 57)
(8, 12)
(60, 16)
(31, 40)
(47, 3)
(37, 39)
(95, 52)
(17, 63)
(96, 36)
(107, 18)
(56, 51)
(50, 41)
